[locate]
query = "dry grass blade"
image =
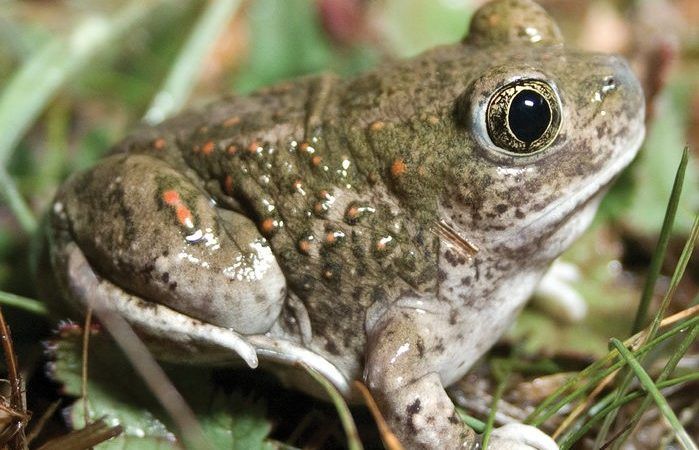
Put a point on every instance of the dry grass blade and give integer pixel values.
(17, 440)
(343, 411)
(154, 376)
(584, 406)
(85, 352)
(93, 434)
(639, 338)
(673, 203)
(604, 407)
(390, 441)
(559, 398)
(182, 77)
(38, 425)
(31, 87)
(447, 232)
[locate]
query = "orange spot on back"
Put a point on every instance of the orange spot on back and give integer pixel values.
(171, 197)
(398, 167)
(352, 212)
(376, 126)
(254, 145)
(316, 160)
(232, 149)
(319, 209)
(267, 226)
(228, 184)
(184, 215)
(304, 246)
(159, 144)
(235, 120)
(208, 147)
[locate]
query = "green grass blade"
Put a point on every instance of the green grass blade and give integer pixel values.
(34, 85)
(477, 425)
(676, 277)
(660, 249)
(679, 352)
(603, 408)
(596, 371)
(502, 371)
(675, 358)
(10, 194)
(27, 304)
(31, 88)
(343, 411)
(182, 77)
(652, 389)
(674, 282)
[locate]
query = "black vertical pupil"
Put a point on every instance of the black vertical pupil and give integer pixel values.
(529, 115)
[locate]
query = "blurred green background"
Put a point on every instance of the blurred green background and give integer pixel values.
(77, 75)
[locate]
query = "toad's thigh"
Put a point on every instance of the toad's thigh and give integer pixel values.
(152, 232)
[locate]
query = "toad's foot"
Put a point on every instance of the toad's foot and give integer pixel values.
(517, 436)
(557, 296)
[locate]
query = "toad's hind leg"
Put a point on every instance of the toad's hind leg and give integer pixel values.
(154, 235)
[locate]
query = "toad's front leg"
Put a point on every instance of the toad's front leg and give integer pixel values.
(402, 371)
(409, 358)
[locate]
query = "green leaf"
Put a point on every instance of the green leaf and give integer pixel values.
(286, 41)
(655, 169)
(413, 26)
(117, 393)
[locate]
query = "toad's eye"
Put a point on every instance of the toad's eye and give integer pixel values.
(524, 116)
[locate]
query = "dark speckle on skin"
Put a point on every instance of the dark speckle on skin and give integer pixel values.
(420, 346)
(439, 348)
(331, 347)
(147, 305)
(414, 407)
(454, 259)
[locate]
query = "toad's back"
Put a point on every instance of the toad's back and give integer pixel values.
(342, 241)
